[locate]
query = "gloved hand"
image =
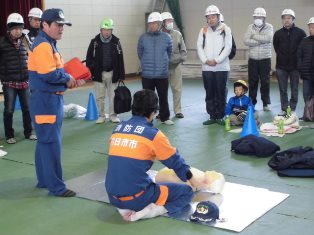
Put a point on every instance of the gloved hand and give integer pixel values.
(241, 116)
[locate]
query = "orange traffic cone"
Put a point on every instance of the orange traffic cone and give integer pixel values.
(92, 110)
(249, 126)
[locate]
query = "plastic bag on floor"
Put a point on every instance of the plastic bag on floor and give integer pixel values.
(74, 111)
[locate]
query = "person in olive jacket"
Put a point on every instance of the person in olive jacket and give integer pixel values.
(105, 60)
(286, 41)
(14, 77)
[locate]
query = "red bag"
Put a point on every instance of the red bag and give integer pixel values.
(77, 69)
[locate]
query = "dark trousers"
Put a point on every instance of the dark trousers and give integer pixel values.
(283, 76)
(308, 89)
(215, 87)
(10, 95)
(259, 70)
(161, 85)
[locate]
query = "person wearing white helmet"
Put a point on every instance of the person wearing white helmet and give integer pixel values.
(286, 41)
(179, 55)
(14, 77)
(154, 50)
(213, 47)
(258, 38)
(305, 57)
(34, 17)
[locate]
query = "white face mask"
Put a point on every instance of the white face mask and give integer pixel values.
(258, 22)
(169, 26)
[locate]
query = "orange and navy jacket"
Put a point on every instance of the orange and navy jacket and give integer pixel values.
(45, 65)
(133, 147)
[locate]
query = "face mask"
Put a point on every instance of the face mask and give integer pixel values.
(258, 22)
(169, 26)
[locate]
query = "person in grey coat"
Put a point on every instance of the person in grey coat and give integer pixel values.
(258, 38)
(178, 56)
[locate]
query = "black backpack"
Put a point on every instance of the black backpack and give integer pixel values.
(122, 98)
(233, 48)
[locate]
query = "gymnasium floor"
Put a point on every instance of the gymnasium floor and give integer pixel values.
(25, 209)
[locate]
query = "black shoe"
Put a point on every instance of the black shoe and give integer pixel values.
(68, 193)
(209, 122)
(179, 115)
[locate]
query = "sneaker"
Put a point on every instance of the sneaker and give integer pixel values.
(114, 118)
(168, 122)
(266, 108)
(32, 137)
(11, 141)
(209, 122)
(101, 120)
(179, 115)
(220, 121)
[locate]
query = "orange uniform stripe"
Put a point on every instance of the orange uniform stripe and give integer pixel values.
(164, 150)
(164, 192)
(45, 119)
(43, 59)
(131, 146)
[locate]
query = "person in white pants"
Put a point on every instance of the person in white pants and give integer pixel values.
(179, 55)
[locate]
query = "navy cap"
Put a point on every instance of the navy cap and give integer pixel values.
(205, 212)
(54, 15)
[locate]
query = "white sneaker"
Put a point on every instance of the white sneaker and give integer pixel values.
(266, 108)
(168, 122)
(114, 118)
(101, 120)
(32, 137)
(11, 141)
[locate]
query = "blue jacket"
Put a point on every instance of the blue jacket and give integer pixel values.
(238, 104)
(134, 146)
(154, 51)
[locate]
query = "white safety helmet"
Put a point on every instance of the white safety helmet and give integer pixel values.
(15, 19)
(288, 12)
(166, 16)
(212, 10)
(153, 17)
(35, 12)
(259, 12)
(311, 20)
(222, 19)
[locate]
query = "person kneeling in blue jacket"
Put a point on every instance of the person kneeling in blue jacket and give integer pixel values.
(134, 146)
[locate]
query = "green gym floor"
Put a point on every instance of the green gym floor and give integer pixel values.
(25, 209)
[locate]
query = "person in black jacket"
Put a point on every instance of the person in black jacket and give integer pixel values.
(14, 77)
(286, 41)
(305, 56)
(105, 60)
(34, 17)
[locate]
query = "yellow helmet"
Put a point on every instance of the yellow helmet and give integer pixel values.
(241, 83)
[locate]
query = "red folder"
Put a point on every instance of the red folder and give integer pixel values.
(77, 69)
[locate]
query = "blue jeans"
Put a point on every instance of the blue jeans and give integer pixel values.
(283, 76)
(10, 95)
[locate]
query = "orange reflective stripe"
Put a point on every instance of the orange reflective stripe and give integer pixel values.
(163, 148)
(164, 192)
(129, 198)
(44, 60)
(45, 119)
